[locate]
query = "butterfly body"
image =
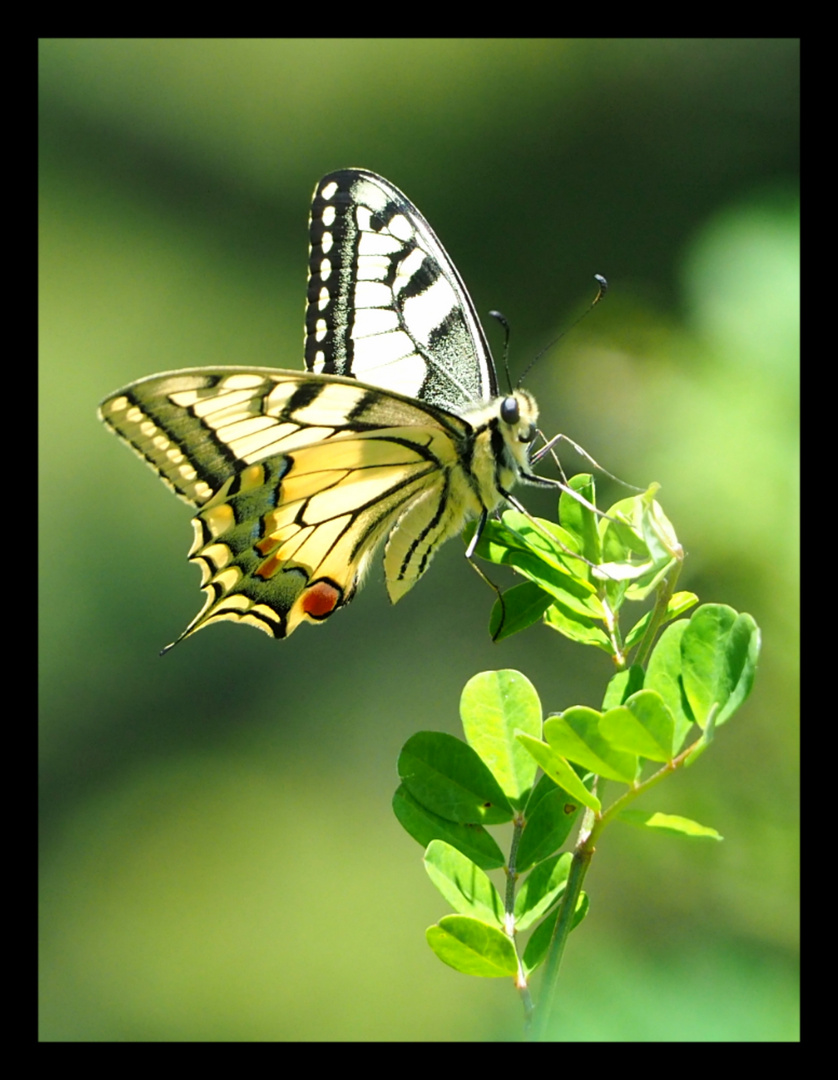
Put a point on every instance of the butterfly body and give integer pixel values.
(394, 434)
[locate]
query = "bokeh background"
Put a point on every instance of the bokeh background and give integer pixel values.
(219, 856)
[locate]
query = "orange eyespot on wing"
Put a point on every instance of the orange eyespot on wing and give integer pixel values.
(321, 599)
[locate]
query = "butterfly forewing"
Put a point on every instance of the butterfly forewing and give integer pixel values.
(385, 303)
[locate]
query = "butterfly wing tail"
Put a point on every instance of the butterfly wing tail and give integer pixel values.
(289, 539)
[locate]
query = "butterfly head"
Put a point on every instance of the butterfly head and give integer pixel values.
(519, 412)
(509, 424)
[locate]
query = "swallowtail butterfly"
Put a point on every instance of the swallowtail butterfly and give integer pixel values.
(395, 431)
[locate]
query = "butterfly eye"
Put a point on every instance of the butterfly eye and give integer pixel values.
(510, 411)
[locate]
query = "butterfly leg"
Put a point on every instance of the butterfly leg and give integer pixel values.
(475, 540)
(545, 481)
(582, 452)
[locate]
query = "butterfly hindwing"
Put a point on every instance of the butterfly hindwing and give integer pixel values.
(297, 478)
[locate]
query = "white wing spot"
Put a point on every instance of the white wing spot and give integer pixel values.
(425, 312)
(370, 321)
(381, 351)
(399, 226)
(408, 267)
(373, 268)
(372, 294)
(377, 244)
(370, 194)
(242, 381)
(404, 374)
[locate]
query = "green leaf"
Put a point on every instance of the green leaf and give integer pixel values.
(661, 543)
(521, 607)
(424, 826)
(579, 521)
(639, 546)
(663, 674)
(622, 685)
(576, 735)
(707, 737)
(658, 532)
(719, 652)
(643, 726)
(622, 539)
(550, 815)
(446, 776)
(577, 627)
(575, 593)
(466, 888)
(669, 823)
(560, 771)
(546, 538)
(544, 551)
(539, 942)
(494, 704)
(541, 889)
(473, 947)
(679, 603)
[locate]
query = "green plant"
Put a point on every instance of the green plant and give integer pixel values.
(672, 673)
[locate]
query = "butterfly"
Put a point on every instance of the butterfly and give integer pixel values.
(394, 434)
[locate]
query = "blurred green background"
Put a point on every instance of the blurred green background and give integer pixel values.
(219, 857)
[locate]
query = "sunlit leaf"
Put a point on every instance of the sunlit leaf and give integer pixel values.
(473, 947)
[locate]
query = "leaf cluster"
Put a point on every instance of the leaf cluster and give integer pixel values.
(700, 670)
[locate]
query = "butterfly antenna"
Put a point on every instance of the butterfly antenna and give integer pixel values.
(602, 289)
(499, 315)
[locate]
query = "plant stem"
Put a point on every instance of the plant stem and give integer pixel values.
(664, 595)
(564, 923)
(512, 864)
(592, 826)
(509, 919)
